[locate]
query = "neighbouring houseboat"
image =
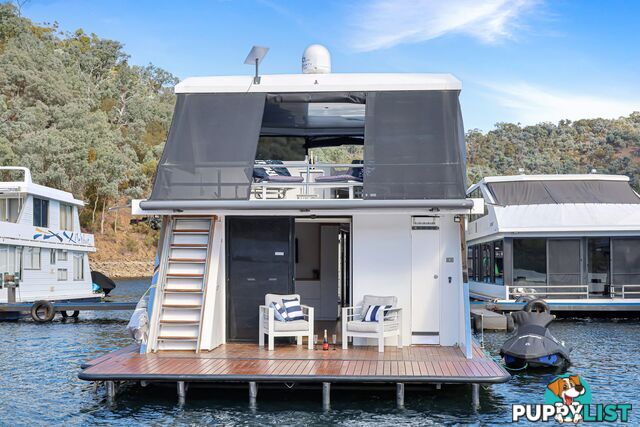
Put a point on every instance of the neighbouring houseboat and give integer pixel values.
(241, 231)
(573, 240)
(43, 253)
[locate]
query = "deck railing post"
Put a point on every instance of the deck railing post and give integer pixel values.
(182, 392)
(253, 394)
(400, 395)
(326, 396)
(475, 396)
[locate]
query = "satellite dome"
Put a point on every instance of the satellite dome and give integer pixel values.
(316, 59)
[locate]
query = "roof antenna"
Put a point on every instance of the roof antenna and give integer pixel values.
(256, 55)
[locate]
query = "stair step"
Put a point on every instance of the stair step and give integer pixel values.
(186, 275)
(188, 306)
(178, 338)
(189, 245)
(191, 230)
(188, 260)
(179, 322)
(183, 291)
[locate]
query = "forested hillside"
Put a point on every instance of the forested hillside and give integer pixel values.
(78, 114)
(83, 119)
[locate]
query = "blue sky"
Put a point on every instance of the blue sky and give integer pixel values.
(521, 60)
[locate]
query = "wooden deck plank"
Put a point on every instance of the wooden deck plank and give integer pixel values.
(414, 363)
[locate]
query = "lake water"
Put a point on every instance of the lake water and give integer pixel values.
(40, 362)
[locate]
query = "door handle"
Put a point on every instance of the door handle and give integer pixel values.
(435, 276)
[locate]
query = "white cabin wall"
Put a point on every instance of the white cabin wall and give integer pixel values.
(381, 262)
(451, 293)
(26, 216)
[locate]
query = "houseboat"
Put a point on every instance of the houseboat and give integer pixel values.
(572, 240)
(43, 253)
(240, 232)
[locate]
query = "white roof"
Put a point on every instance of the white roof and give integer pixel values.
(27, 186)
(549, 177)
(568, 217)
(353, 82)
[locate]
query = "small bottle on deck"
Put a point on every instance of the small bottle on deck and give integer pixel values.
(325, 342)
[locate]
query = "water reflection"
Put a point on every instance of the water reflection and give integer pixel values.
(40, 363)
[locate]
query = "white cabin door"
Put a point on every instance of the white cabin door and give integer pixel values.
(425, 282)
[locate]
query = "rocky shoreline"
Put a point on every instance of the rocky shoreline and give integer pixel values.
(122, 269)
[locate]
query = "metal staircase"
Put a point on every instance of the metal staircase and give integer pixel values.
(182, 284)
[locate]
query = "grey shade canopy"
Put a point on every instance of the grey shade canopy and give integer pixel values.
(211, 147)
(414, 146)
(414, 141)
(562, 191)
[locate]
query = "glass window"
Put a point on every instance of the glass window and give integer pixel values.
(62, 255)
(66, 217)
(498, 267)
(564, 264)
(62, 274)
(31, 258)
(40, 212)
(599, 259)
(470, 263)
(485, 258)
(78, 267)
(626, 261)
(10, 209)
(52, 256)
(9, 260)
(529, 261)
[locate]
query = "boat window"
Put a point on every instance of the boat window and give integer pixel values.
(40, 212)
(78, 267)
(564, 264)
(62, 255)
(63, 275)
(10, 208)
(52, 256)
(626, 261)
(485, 262)
(31, 258)
(498, 262)
(529, 261)
(66, 217)
(599, 259)
(9, 260)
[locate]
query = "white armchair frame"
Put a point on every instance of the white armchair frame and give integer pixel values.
(389, 325)
(267, 321)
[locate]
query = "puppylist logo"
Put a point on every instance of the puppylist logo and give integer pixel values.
(568, 399)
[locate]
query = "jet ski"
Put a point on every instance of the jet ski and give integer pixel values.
(532, 345)
(102, 283)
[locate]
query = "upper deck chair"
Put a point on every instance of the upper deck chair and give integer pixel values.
(388, 324)
(274, 328)
(353, 174)
(276, 175)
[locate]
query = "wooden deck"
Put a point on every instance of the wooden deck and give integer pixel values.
(289, 363)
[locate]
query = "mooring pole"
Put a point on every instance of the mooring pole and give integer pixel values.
(475, 396)
(326, 396)
(182, 392)
(253, 394)
(400, 395)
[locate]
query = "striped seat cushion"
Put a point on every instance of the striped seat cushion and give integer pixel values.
(279, 312)
(374, 312)
(294, 311)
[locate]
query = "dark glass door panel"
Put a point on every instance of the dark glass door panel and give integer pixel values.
(259, 261)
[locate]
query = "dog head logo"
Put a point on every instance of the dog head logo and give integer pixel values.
(567, 389)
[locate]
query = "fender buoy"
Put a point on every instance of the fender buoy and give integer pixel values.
(538, 305)
(42, 311)
(65, 314)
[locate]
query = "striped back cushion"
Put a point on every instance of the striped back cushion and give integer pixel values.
(294, 311)
(374, 312)
(279, 312)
